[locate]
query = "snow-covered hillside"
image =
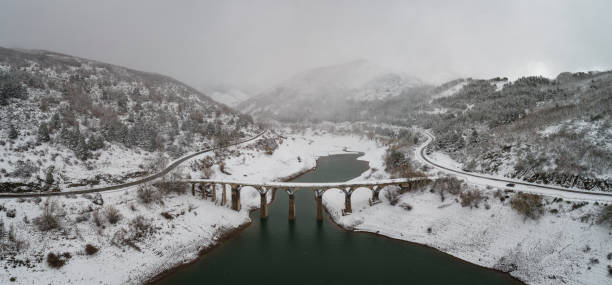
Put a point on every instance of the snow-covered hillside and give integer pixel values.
(70, 122)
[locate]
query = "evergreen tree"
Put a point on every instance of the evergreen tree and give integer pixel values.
(49, 175)
(95, 142)
(82, 151)
(13, 134)
(55, 122)
(43, 133)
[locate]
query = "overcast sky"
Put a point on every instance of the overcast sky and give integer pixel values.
(254, 44)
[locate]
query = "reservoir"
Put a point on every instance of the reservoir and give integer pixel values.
(276, 251)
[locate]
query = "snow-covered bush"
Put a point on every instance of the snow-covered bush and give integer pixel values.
(9, 242)
(148, 194)
(392, 195)
(96, 218)
(450, 185)
(528, 205)
(49, 218)
(112, 214)
(605, 217)
(471, 198)
(90, 249)
(24, 169)
(58, 260)
(139, 229)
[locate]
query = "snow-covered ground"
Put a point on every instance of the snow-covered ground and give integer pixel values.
(455, 168)
(568, 247)
(194, 224)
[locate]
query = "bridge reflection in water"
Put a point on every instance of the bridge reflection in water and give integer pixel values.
(208, 189)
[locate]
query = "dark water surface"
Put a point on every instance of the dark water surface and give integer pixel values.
(276, 251)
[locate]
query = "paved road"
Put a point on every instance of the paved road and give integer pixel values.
(129, 184)
(520, 185)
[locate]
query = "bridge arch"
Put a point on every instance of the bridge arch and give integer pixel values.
(363, 191)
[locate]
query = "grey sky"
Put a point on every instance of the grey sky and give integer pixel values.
(254, 44)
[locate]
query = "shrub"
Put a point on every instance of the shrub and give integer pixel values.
(90, 249)
(112, 214)
(57, 260)
(139, 229)
(394, 159)
(167, 215)
(49, 218)
(449, 184)
(24, 169)
(393, 196)
(471, 198)
(605, 217)
(147, 194)
(81, 218)
(528, 205)
(207, 173)
(96, 218)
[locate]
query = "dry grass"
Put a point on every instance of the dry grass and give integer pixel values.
(528, 205)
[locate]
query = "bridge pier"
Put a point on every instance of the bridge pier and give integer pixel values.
(235, 197)
(203, 186)
(192, 189)
(291, 193)
(375, 194)
(319, 201)
(223, 195)
(263, 205)
(214, 193)
(347, 200)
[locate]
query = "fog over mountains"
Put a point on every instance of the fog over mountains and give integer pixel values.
(315, 90)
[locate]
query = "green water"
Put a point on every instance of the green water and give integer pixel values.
(276, 251)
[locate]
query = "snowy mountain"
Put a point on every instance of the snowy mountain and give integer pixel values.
(228, 96)
(311, 94)
(69, 122)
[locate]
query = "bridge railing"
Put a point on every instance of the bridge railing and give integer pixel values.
(309, 185)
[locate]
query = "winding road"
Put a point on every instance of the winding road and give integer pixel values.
(500, 182)
(128, 184)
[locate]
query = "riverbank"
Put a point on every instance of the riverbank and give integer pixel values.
(565, 245)
(225, 236)
(182, 226)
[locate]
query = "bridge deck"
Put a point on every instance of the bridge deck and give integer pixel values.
(311, 186)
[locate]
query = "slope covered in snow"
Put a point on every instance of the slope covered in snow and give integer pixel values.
(70, 122)
(158, 228)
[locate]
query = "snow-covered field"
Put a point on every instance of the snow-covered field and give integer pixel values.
(568, 247)
(194, 224)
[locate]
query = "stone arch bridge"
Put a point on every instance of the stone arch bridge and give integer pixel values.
(208, 188)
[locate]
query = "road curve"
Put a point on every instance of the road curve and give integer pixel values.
(538, 188)
(128, 184)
